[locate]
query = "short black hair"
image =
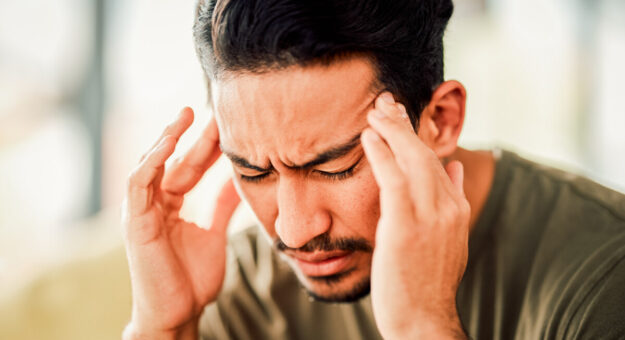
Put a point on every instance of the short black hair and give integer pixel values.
(402, 38)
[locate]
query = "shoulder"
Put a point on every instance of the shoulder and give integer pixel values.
(536, 205)
(574, 234)
(534, 180)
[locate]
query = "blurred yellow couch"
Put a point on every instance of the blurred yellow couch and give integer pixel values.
(87, 297)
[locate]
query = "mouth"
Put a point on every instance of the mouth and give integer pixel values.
(322, 263)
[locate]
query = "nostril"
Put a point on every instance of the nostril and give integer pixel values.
(295, 231)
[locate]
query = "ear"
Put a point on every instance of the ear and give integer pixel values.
(441, 121)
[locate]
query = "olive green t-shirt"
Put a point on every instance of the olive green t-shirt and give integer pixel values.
(546, 261)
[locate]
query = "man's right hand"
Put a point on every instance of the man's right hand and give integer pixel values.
(176, 267)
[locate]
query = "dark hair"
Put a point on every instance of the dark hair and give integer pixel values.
(402, 38)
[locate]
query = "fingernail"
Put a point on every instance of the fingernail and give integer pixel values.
(388, 98)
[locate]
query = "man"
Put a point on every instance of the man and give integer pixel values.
(343, 138)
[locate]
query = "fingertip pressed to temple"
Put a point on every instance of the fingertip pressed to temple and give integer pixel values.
(369, 135)
(387, 97)
(372, 144)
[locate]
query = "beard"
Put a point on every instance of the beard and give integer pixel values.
(357, 292)
(323, 242)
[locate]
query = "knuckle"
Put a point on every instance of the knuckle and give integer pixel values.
(176, 162)
(453, 210)
(169, 127)
(457, 213)
(135, 178)
(464, 206)
(147, 153)
(447, 215)
(131, 180)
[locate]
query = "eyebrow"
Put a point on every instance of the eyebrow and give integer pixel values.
(326, 156)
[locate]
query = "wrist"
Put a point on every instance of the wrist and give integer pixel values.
(188, 331)
(430, 327)
(447, 331)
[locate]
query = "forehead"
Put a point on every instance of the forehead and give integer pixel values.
(291, 114)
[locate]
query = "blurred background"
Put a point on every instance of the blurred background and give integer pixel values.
(86, 87)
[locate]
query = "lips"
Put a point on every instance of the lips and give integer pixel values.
(322, 263)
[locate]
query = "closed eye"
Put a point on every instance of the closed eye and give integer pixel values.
(254, 179)
(344, 174)
(338, 175)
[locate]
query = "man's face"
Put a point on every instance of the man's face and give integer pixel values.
(293, 138)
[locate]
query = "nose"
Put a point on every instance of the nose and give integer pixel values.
(301, 212)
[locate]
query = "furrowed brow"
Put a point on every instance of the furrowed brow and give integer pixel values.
(242, 162)
(321, 158)
(330, 154)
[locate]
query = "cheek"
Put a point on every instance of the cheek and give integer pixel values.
(355, 206)
(262, 200)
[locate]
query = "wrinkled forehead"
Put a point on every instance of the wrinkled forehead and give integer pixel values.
(291, 114)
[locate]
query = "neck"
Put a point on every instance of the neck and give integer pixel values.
(479, 171)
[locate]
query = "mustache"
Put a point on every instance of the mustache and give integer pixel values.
(323, 242)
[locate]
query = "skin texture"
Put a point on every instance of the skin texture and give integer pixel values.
(290, 127)
(422, 234)
(400, 199)
(168, 256)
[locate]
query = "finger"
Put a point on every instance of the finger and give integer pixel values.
(412, 156)
(455, 170)
(394, 195)
(227, 202)
(393, 113)
(184, 174)
(398, 134)
(386, 103)
(156, 184)
(183, 120)
(141, 179)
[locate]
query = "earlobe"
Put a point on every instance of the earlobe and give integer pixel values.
(443, 118)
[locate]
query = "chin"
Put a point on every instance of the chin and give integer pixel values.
(344, 287)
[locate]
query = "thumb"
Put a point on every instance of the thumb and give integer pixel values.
(455, 171)
(227, 202)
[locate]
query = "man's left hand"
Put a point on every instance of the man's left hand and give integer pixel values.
(422, 236)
